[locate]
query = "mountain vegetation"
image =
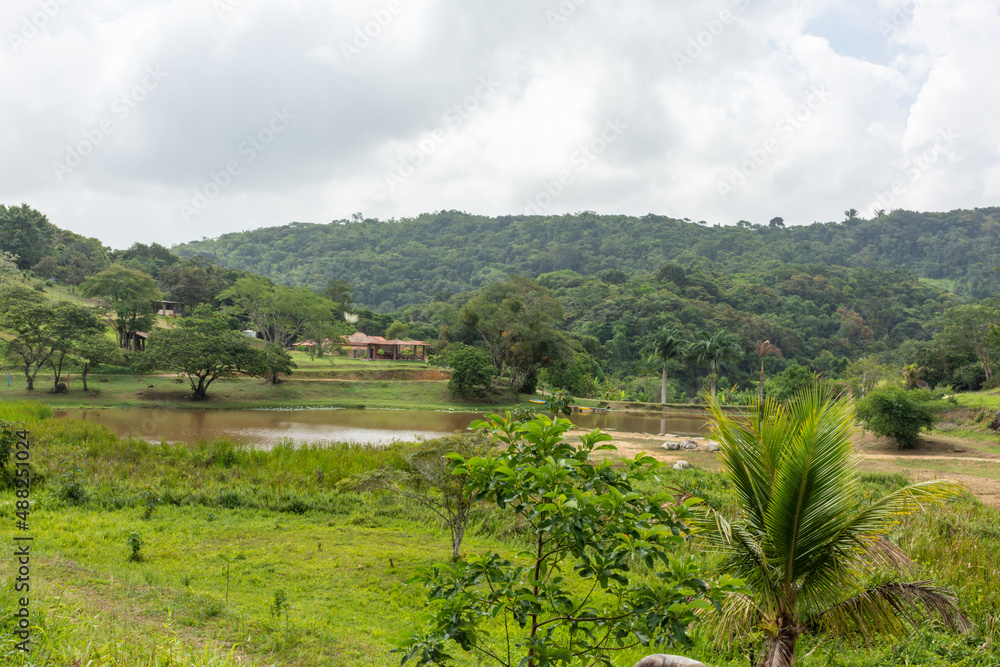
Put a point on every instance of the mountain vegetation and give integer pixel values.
(395, 263)
(575, 302)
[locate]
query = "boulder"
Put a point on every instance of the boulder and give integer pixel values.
(712, 446)
(671, 446)
(995, 424)
(664, 660)
(682, 465)
(689, 444)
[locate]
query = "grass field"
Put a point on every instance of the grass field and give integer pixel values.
(339, 558)
(170, 391)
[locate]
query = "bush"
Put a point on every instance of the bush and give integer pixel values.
(789, 382)
(472, 370)
(897, 413)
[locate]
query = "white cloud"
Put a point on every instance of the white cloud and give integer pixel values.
(702, 88)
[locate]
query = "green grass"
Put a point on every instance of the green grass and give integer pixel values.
(119, 391)
(340, 557)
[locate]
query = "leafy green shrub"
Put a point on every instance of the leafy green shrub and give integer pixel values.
(472, 370)
(897, 413)
(789, 382)
(135, 544)
(8, 440)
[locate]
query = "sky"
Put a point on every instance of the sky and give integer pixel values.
(174, 120)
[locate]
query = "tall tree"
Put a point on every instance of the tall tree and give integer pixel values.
(25, 315)
(517, 320)
(94, 350)
(802, 542)
(194, 281)
(712, 350)
(128, 297)
(69, 324)
(204, 348)
(26, 233)
(973, 328)
(666, 344)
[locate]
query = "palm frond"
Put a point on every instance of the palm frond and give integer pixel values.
(813, 482)
(891, 607)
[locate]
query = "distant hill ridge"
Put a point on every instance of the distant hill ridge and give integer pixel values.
(395, 263)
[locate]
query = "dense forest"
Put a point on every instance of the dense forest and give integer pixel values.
(577, 301)
(391, 264)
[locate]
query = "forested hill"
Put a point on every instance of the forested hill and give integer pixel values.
(390, 264)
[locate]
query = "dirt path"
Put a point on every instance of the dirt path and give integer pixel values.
(877, 455)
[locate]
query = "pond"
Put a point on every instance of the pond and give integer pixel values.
(267, 428)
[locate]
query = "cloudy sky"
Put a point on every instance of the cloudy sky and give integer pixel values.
(172, 120)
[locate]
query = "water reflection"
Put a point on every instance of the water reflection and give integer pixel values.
(266, 428)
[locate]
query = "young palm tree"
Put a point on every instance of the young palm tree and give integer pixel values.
(714, 349)
(803, 541)
(765, 348)
(666, 344)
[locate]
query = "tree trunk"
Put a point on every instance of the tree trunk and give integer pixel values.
(782, 650)
(31, 381)
(762, 382)
(663, 386)
(86, 367)
(713, 385)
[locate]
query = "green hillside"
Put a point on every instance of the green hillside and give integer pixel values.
(395, 263)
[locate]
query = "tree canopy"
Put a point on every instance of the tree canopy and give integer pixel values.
(128, 296)
(204, 348)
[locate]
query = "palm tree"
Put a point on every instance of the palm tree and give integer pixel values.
(850, 214)
(801, 541)
(911, 374)
(765, 348)
(666, 344)
(714, 349)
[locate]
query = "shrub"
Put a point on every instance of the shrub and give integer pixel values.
(897, 413)
(789, 382)
(472, 370)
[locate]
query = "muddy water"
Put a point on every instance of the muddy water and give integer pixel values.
(266, 428)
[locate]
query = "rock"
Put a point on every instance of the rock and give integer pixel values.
(682, 465)
(672, 446)
(689, 444)
(995, 424)
(664, 660)
(712, 446)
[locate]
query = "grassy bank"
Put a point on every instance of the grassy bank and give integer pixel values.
(126, 391)
(335, 560)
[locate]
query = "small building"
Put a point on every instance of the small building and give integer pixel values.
(171, 309)
(136, 341)
(377, 348)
